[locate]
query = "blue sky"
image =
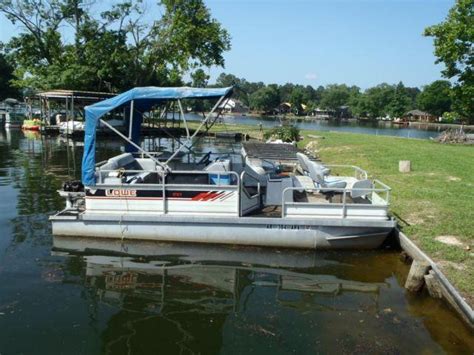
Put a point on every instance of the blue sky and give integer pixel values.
(357, 42)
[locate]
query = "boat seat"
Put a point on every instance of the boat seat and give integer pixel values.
(125, 160)
(220, 165)
(358, 188)
(306, 165)
(302, 160)
(257, 173)
(303, 181)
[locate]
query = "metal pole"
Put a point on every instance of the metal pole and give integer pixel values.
(130, 123)
(164, 166)
(184, 119)
(198, 129)
(72, 108)
(67, 118)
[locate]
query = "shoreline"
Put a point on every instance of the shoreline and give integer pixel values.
(425, 201)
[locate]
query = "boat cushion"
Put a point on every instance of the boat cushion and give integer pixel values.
(334, 182)
(316, 171)
(302, 158)
(123, 160)
(219, 165)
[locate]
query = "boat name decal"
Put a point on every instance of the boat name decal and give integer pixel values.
(121, 193)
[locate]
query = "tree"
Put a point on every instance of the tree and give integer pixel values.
(200, 79)
(376, 100)
(400, 101)
(265, 99)
(436, 98)
(335, 96)
(285, 92)
(453, 42)
(115, 50)
(298, 97)
(187, 37)
(6, 76)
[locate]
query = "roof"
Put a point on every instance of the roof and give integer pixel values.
(77, 94)
(417, 113)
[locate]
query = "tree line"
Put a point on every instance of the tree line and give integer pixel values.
(379, 101)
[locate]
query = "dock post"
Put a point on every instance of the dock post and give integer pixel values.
(415, 279)
(432, 285)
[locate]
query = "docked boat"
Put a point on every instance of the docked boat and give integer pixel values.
(31, 125)
(265, 195)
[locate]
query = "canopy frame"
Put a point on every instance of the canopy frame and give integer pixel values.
(143, 99)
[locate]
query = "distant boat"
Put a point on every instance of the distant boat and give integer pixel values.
(400, 121)
(31, 125)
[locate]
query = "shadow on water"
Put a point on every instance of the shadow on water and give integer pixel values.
(70, 295)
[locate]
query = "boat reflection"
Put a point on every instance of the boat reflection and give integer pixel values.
(211, 299)
(212, 278)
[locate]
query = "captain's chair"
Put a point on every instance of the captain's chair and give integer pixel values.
(320, 174)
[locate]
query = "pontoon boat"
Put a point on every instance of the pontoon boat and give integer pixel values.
(266, 195)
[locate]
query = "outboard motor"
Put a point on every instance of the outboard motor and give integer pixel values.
(73, 186)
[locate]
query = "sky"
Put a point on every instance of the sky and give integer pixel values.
(316, 42)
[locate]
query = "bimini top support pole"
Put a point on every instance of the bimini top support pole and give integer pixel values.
(189, 139)
(184, 118)
(163, 165)
(130, 124)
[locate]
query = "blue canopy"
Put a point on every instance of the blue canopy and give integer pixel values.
(144, 98)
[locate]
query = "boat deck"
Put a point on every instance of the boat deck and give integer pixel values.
(265, 151)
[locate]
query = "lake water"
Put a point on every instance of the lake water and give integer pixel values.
(378, 128)
(178, 298)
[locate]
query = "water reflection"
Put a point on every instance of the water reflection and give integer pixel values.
(177, 298)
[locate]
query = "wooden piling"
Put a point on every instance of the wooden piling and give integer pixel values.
(433, 286)
(415, 279)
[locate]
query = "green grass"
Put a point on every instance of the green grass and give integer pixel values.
(435, 199)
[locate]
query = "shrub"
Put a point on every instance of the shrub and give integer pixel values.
(285, 133)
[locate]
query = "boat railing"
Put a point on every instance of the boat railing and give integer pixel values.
(217, 175)
(225, 181)
(378, 197)
(358, 173)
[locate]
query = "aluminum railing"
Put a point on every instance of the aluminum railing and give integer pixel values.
(359, 174)
(163, 186)
(373, 192)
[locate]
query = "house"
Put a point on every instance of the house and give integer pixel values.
(417, 115)
(234, 105)
(286, 107)
(321, 114)
(283, 108)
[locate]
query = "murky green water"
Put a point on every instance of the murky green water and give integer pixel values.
(186, 299)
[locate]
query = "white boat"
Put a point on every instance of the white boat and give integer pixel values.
(267, 195)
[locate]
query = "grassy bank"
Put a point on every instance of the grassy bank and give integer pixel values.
(435, 199)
